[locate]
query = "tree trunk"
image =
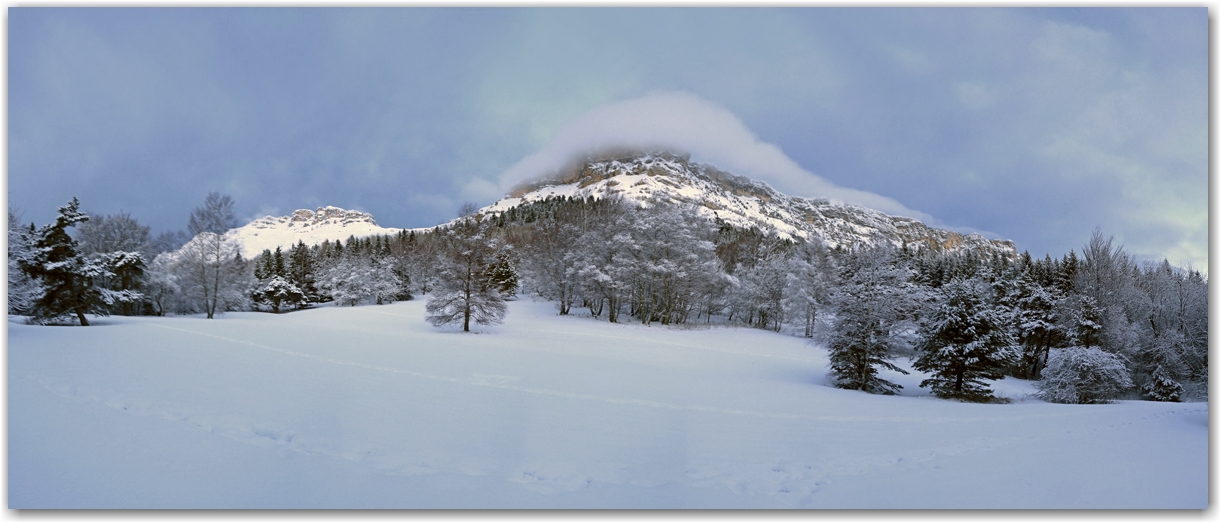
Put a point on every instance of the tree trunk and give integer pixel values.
(80, 314)
(466, 303)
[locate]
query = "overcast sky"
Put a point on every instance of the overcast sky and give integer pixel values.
(1035, 125)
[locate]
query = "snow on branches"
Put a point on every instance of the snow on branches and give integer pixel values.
(1080, 375)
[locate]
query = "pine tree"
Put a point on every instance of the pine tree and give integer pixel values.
(23, 290)
(279, 292)
(67, 277)
(1037, 324)
(963, 342)
(303, 272)
(502, 276)
(127, 278)
(1162, 387)
(870, 307)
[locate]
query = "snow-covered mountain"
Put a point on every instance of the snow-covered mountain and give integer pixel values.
(310, 226)
(661, 178)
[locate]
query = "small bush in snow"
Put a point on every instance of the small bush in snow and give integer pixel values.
(1162, 387)
(1083, 376)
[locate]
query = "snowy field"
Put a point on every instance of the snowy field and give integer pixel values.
(369, 407)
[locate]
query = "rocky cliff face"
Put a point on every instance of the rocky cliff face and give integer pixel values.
(666, 178)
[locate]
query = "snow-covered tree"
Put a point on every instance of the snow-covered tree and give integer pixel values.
(502, 275)
(1038, 328)
(1079, 375)
(68, 278)
(114, 233)
(126, 278)
(963, 342)
(762, 290)
(212, 274)
(303, 272)
(872, 306)
(344, 282)
(210, 264)
(1080, 321)
(598, 256)
(279, 292)
(550, 260)
(23, 290)
(464, 291)
(811, 278)
(356, 279)
(1162, 387)
(670, 259)
(161, 284)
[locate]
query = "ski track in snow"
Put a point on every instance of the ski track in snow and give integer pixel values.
(502, 382)
(650, 341)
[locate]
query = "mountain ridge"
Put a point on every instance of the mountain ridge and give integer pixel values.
(662, 177)
(651, 178)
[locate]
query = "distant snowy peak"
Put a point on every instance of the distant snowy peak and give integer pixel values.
(310, 226)
(667, 178)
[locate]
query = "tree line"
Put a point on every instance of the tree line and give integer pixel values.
(1090, 327)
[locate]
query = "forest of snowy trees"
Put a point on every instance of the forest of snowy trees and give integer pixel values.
(1091, 327)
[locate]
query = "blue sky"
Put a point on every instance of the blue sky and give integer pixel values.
(1035, 125)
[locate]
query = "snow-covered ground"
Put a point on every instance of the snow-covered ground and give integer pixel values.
(369, 407)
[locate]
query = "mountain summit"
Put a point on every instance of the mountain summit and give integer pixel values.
(310, 226)
(667, 178)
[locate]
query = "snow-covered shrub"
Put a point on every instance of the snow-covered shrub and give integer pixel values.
(1083, 376)
(1162, 387)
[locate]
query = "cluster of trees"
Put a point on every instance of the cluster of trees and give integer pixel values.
(962, 317)
(1089, 328)
(1101, 318)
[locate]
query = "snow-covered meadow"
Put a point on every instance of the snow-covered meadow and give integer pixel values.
(370, 407)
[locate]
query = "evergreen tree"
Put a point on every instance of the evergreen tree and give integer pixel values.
(871, 307)
(502, 276)
(1037, 324)
(1162, 387)
(67, 276)
(23, 290)
(126, 271)
(303, 272)
(963, 342)
(278, 292)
